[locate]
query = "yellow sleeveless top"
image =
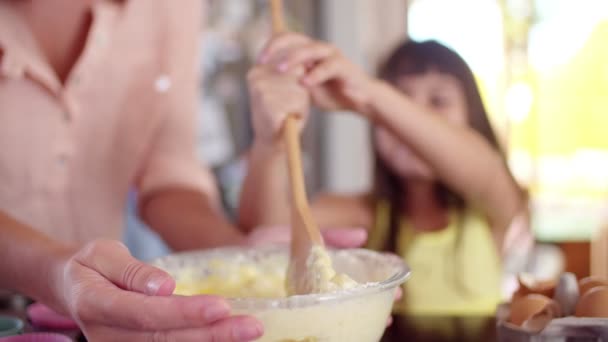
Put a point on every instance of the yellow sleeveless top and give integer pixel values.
(455, 270)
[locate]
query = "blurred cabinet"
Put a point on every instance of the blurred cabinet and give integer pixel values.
(599, 253)
(365, 30)
(234, 32)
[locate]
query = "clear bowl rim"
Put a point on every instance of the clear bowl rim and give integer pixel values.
(402, 275)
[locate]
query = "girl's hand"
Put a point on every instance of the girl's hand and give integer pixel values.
(274, 95)
(334, 82)
(334, 237)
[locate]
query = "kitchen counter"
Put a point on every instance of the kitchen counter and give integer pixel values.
(441, 329)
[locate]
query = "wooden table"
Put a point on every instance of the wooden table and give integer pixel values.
(401, 330)
(441, 329)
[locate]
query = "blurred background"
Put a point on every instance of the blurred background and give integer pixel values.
(541, 65)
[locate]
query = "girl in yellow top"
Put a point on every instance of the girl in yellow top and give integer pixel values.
(443, 196)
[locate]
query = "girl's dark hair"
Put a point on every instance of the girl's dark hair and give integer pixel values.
(415, 58)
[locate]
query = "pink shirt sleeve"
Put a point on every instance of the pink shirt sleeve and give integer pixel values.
(171, 160)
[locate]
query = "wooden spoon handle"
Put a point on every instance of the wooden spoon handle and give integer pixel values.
(296, 177)
(276, 12)
(294, 159)
(291, 137)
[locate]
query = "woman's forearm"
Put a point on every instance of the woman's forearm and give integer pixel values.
(30, 261)
(187, 219)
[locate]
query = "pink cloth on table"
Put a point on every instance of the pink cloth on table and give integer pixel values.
(44, 317)
(37, 337)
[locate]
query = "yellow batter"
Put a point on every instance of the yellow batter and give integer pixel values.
(235, 280)
(263, 280)
(320, 276)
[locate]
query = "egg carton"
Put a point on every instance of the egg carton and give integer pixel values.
(565, 329)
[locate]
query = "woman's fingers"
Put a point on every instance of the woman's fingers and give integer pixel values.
(140, 312)
(113, 261)
(233, 329)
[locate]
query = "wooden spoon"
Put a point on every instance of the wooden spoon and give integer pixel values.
(305, 232)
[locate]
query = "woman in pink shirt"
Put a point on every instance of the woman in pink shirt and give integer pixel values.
(95, 96)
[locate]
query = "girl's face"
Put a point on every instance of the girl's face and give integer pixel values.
(437, 94)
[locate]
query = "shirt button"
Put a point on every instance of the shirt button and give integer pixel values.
(76, 79)
(101, 39)
(162, 83)
(62, 160)
(70, 107)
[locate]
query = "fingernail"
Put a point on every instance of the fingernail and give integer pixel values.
(248, 332)
(360, 233)
(283, 67)
(158, 284)
(353, 233)
(216, 311)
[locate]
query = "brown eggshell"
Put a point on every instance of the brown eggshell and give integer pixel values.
(588, 283)
(539, 321)
(524, 308)
(594, 303)
(530, 286)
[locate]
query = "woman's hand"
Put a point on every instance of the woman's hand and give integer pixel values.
(335, 83)
(274, 95)
(115, 297)
(333, 237)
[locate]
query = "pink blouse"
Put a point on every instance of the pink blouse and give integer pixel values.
(125, 116)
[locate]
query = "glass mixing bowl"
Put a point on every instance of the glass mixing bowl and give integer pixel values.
(253, 281)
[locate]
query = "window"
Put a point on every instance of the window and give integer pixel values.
(542, 67)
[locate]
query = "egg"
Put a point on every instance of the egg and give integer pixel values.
(567, 293)
(529, 285)
(588, 283)
(525, 308)
(594, 303)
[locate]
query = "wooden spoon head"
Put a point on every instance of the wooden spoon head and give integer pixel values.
(305, 235)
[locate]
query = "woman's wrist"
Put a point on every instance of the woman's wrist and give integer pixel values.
(53, 290)
(43, 271)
